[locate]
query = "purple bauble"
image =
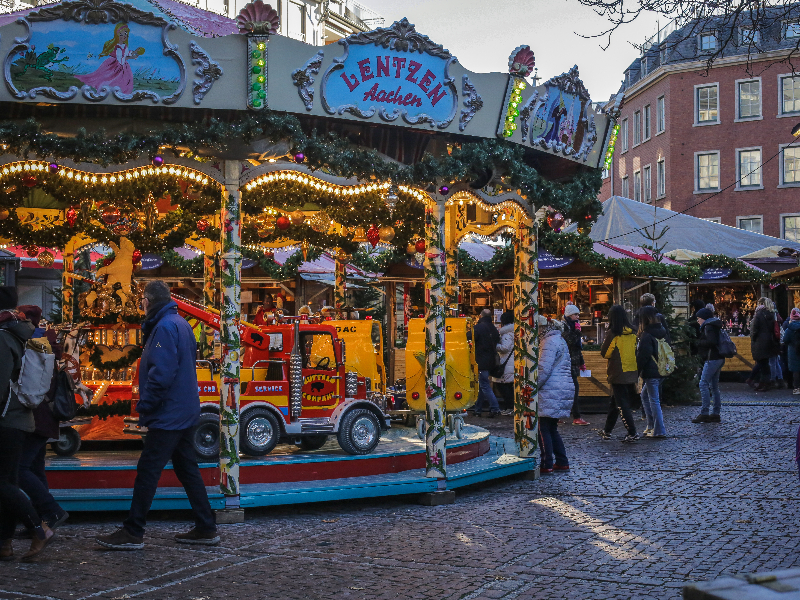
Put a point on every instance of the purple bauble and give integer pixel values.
(444, 190)
(299, 157)
(158, 161)
(53, 167)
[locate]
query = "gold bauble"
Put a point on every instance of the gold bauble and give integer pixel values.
(359, 235)
(4, 214)
(386, 234)
(411, 248)
(45, 259)
(297, 217)
(320, 221)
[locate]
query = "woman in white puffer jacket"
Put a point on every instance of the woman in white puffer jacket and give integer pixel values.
(556, 392)
(505, 349)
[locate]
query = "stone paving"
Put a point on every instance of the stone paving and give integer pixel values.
(629, 521)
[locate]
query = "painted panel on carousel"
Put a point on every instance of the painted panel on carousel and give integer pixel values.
(392, 72)
(114, 50)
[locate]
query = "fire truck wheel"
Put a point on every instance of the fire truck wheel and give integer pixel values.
(359, 431)
(260, 431)
(69, 441)
(313, 442)
(205, 437)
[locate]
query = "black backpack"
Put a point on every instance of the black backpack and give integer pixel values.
(726, 347)
(63, 403)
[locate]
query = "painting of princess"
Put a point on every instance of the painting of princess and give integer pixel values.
(115, 70)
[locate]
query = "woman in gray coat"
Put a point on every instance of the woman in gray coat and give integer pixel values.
(556, 391)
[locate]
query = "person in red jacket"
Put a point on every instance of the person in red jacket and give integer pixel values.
(266, 311)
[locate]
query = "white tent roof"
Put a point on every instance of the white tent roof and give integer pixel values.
(623, 222)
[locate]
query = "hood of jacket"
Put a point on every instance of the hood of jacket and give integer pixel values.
(510, 329)
(22, 329)
(158, 313)
(711, 321)
(656, 330)
(793, 325)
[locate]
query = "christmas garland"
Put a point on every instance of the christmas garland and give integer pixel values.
(739, 269)
(375, 262)
(191, 267)
(281, 272)
(472, 267)
(118, 408)
(121, 363)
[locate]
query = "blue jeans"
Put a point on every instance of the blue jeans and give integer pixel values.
(551, 443)
(485, 393)
(160, 446)
(709, 384)
(775, 367)
(651, 401)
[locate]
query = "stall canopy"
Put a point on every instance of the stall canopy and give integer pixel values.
(623, 222)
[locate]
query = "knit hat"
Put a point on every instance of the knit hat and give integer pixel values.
(571, 309)
(794, 315)
(8, 297)
(704, 314)
(32, 312)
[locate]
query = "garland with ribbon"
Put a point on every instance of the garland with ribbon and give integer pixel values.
(95, 357)
(739, 269)
(118, 408)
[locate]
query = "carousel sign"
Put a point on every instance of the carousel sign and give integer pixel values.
(392, 72)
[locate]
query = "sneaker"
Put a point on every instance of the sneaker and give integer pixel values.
(714, 419)
(510, 411)
(195, 536)
(580, 421)
(796, 391)
(701, 419)
(647, 432)
(545, 471)
(604, 435)
(54, 521)
(121, 539)
(562, 468)
(628, 439)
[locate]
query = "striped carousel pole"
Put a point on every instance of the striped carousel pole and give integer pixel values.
(67, 283)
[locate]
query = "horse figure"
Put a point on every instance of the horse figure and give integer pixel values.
(70, 362)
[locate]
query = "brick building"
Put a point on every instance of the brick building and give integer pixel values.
(719, 136)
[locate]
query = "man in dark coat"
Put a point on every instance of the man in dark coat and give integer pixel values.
(763, 342)
(169, 406)
(486, 339)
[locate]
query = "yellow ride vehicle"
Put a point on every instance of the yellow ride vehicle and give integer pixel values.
(364, 356)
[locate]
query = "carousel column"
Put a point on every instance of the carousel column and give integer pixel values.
(526, 340)
(435, 366)
(209, 296)
(67, 281)
(340, 282)
(230, 279)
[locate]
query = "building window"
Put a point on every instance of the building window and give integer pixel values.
(707, 167)
(662, 54)
(646, 123)
(790, 227)
(748, 36)
(793, 30)
(646, 185)
(643, 67)
(706, 102)
(661, 179)
(637, 128)
(625, 188)
(637, 186)
(660, 116)
(790, 171)
(749, 93)
(750, 223)
(749, 165)
(708, 41)
(623, 134)
(790, 95)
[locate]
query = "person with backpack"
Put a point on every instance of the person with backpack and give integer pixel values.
(708, 348)
(572, 336)
(764, 343)
(16, 420)
(652, 359)
(619, 348)
(791, 338)
(555, 394)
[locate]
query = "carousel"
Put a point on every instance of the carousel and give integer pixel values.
(134, 130)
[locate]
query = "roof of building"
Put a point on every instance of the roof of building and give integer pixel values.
(623, 222)
(195, 20)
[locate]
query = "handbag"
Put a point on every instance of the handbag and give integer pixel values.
(499, 369)
(63, 403)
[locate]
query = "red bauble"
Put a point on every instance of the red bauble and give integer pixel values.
(110, 215)
(203, 225)
(29, 181)
(136, 257)
(107, 261)
(269, 255)
(72, 216)
(419, 246)
(32, 250)
(283, 222)
(373, 235)
(556, 221)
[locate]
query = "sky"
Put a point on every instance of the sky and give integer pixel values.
(482, 34)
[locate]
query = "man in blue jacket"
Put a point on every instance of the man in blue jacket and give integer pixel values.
(169, 406)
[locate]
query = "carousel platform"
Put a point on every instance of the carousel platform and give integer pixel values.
(98, 480)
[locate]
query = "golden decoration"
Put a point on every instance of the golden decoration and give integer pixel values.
(45, 259)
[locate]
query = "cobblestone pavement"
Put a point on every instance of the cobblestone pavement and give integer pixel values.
(629, 521)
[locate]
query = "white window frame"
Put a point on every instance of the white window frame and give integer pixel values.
(783, 183)
(700, 36)
(760, 116)
(713, 219)
(661, 115)
(782, 114)
(637, 185)
(643, 68)
(782, 216)
(647, 184)
(625, 187)
(661, 178)
(745, 188)
(637, 128)
(741, 218)
(647, 122)
(697, 122)
(698, 190)
(786, 25)
(756, 39)
(623, 131)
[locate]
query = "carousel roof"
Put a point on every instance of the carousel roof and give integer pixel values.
(623, 222)
(189, 18)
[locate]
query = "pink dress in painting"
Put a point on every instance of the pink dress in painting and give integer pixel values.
(114, 71)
